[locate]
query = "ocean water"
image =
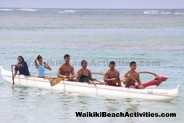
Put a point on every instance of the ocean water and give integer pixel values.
(153, 38)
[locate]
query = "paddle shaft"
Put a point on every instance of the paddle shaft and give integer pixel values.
(97, 73)
(12, 75)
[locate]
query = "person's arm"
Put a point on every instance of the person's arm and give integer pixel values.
(59, 73)
(79, 74)
(126, 78)
(35, 60)
(106, 78)
(47, 66)
(17, 65)
(118, 78)
(90, 76)
(36, 64)
(15, 71)
(139, 81)
(72, 71)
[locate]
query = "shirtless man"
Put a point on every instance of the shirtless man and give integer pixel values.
(84, 75)
(111, 76)
(131, 78)
(65, 70)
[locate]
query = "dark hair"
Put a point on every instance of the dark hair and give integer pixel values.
(66, 55)
(82, 62)
(39, 57)
(112, 62)
(21, 58)
(132, 62)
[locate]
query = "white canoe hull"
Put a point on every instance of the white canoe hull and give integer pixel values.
(108, 91)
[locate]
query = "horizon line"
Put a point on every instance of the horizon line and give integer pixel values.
(78, 8)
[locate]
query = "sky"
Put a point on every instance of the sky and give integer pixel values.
(115, 4)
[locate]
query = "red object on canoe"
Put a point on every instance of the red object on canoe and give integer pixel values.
(156, 81)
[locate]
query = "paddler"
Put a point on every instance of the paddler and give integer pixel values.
(66, 70)
(41, 66)
(21, 67)
(84, 74)
(111, 76)
(131, 78)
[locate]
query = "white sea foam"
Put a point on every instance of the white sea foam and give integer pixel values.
(149, 12)
(67, 11)
(177, 13)
(166, 13)
(27, 9)
(6, 9)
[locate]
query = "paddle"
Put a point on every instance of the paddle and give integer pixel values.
(102, 75)
(121, 80)
(55, 81)
(12, 75)
(97, 73)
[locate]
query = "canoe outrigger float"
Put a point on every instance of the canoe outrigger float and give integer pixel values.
(95, 89)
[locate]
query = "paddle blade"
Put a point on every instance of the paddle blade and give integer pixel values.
(55, 81)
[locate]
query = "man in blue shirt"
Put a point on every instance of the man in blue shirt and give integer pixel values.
(21, 67)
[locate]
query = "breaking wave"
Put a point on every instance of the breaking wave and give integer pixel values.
(67, 11)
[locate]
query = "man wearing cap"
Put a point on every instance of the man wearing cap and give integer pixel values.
(111, 76)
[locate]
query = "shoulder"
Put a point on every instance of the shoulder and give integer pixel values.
(24, 63)
(117, 72)
(136, 73)
(79, 70)
(71, 66)
(60, 67)
(106, 72)
(88, 70)
(127, 73)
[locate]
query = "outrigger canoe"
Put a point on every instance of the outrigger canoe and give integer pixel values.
(155, 94)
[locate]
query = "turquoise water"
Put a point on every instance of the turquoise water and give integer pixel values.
(152, 37)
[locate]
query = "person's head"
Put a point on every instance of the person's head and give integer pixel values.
(67, 58)
(133, 65)
(112, 65)
(84, 64)
(20, 59)
(40, 60)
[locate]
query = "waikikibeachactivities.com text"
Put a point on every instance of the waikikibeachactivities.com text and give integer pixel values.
(123, 114)
(97, 62)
